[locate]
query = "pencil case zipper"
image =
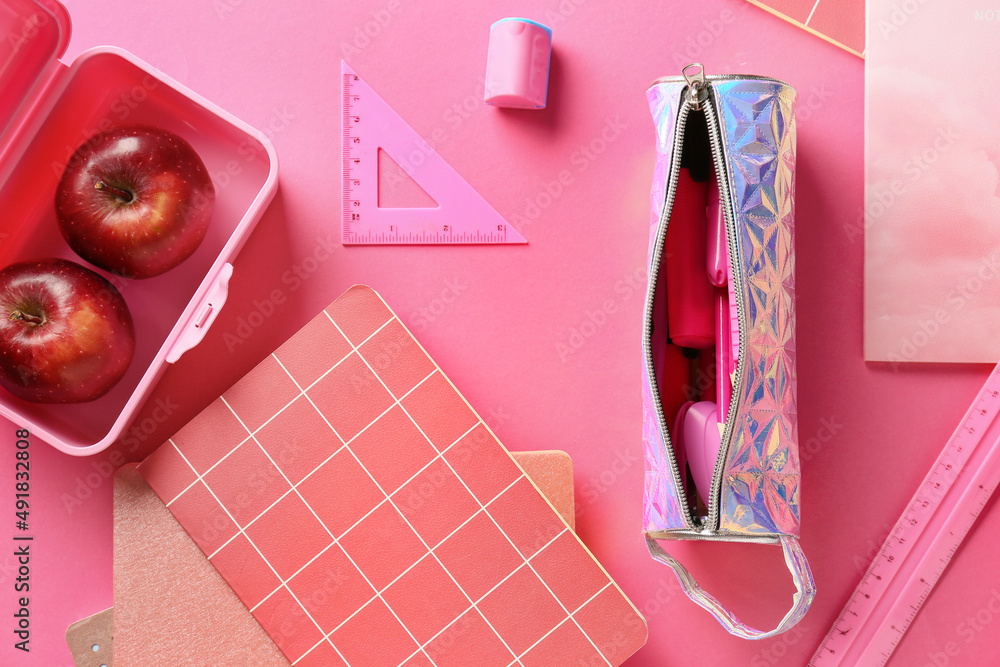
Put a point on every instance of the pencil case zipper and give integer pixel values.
(699, 97)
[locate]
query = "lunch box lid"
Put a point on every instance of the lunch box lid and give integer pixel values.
(35, 35)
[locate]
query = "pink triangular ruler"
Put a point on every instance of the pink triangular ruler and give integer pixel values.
(462, 215)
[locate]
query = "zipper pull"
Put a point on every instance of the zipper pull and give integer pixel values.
(694, 74)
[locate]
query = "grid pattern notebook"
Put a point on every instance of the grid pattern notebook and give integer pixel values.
(366, 515)
(173, 608)
(840, 22)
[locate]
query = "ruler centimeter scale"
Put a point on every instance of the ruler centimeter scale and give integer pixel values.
(462, 216)
(923, 541)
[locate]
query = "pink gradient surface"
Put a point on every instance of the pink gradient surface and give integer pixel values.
(542, 339)
(932, 209)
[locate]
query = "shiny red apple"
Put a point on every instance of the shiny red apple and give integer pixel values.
(66, 335)
(135, 201)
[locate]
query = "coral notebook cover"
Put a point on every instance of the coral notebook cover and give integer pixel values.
(366, 515)
(172, 607)
(840, 22)
(931, 222)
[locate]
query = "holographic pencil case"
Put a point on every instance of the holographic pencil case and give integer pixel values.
(719, 385)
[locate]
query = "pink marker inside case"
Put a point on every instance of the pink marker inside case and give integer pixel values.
(47, 109)
(517, 65)
(702, 315)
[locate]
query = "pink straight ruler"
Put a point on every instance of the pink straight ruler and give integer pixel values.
(461, 214)
(923, 541)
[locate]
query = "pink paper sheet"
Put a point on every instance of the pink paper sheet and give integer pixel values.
(932, 198)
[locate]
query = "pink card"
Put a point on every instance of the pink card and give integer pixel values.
(366, 515)
(931, 220)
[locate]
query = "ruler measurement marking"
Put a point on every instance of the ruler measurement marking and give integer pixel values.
(346, 151)
(937, 519)
(368, 125)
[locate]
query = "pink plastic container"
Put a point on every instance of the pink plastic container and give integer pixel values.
(47, 109)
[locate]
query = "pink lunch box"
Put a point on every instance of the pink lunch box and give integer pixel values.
(47, 109)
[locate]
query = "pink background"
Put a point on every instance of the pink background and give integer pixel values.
(501, 321)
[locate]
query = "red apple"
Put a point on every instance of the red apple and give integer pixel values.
(135, 201)
(66, 335)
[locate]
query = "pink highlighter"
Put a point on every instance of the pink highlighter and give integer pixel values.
(698, 425)
(690, 309)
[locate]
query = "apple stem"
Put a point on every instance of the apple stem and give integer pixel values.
(124, 195)
(26, 317)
